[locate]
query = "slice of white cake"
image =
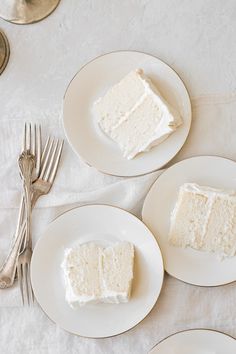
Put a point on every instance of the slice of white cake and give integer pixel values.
(204, 218)
(135, 115)
(97, 274)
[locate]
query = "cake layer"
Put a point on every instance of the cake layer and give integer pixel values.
(204, 219)
(81, 269)
(117, 272)
(135, 115)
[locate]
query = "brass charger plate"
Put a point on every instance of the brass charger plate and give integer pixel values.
(26, 11)
(4, 51)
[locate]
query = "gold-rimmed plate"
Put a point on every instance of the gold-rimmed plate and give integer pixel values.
(91, 82)
(196, 341)
(100, 223)
(189, 265)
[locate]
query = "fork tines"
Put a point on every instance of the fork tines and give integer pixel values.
(50, 159)
(32, 141)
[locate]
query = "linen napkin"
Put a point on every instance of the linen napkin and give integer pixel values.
(212, 133)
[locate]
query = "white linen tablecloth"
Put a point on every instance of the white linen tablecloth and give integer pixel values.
(197, 39)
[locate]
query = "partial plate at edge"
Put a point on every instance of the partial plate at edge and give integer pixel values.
(191, 266)
(196, 341)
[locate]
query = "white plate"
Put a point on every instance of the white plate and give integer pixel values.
(91, 82)
(192, 266)
(106, 224)
(196, 341)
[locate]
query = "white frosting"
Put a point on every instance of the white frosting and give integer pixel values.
(164, 120)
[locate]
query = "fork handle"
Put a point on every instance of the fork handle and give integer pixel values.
(8, 269)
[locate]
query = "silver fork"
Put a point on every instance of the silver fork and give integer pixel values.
(49, 165)
(27, 164)
(42, 186)
(36, 151)
(8, 269)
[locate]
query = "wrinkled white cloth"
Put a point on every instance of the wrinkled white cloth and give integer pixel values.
(180, 305)
(196, 38)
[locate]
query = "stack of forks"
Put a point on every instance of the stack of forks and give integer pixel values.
(38, 170)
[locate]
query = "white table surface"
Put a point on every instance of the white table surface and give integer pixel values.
(195, 37)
